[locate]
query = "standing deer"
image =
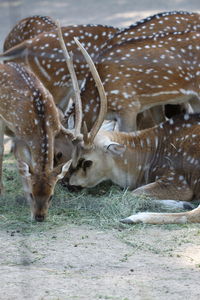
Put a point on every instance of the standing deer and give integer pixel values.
(144, 74)
(162, 162)
(43, 55)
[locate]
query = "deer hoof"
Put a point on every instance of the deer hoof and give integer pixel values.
(132, 219)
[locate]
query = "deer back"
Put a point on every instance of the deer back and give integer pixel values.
(28, 28)
(158, 24)
(44, 56)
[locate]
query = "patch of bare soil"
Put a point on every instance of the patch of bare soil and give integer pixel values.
(81, 262)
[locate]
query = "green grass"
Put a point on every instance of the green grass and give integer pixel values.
(102, 206)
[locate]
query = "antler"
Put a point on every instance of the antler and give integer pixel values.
(89, 137)
(78, 104)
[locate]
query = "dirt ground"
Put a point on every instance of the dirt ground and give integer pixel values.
(85, 262)
(81, 262)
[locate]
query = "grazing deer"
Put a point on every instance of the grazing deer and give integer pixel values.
(28, 28)
(44, 56)
(162, 162)
(29, 112)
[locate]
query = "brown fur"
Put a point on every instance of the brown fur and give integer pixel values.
(28, 28)
(27, 109)
(141, 76)
(43, 55)
(162, 162)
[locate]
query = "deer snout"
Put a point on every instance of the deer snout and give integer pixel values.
(40, 211)
(39, 218)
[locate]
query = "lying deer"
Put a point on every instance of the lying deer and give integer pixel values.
(162, 162)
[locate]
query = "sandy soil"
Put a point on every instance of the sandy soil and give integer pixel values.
(81, 262)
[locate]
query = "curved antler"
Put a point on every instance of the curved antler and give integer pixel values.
(103, 99)
(78, 104)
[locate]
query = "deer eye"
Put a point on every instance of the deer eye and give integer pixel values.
(86, 164)
(59, 155)
(80, 163)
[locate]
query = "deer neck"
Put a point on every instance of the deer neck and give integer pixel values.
(135, 165)
(36, 122)
(42, 149)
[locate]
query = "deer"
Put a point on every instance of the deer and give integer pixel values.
(145, 74)
(161, 162)
(28, 28)
(29, 112)
(43, 55)
(27, 109)
(112, 70)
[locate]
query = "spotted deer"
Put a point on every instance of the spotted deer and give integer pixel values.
(114, 62)
(161, 162)
(142, 75)
(44, 56)
(29, 112)
(28, 28)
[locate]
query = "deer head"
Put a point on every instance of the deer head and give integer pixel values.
(38, 187)
(89, 153)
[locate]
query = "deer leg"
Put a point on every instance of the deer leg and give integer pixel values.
(145, 120)
(162, 191)
(192, 216)
(158, 114)
(194, 105)
(127, 121)
(166, 188)
(1, 153)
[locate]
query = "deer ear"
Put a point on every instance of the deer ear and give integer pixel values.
(116, 149)
(62, 169)
(24, 169)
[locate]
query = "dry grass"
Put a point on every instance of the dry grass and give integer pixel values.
(102, 206)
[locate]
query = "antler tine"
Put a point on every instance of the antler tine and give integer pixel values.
(78, 103)
(102, 94)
